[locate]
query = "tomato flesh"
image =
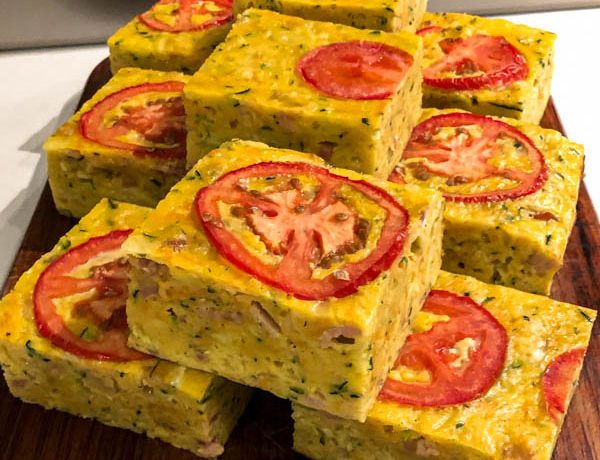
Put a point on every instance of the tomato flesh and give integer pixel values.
(305, 231)
(472, 153)
(158, 125)
(187, 15)
(277, 230)
(558, 380)
(476, 62)
(429, 30)
(105, 307)
(450, 380)
(355, 70)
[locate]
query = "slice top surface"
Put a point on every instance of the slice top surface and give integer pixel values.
(258, 63)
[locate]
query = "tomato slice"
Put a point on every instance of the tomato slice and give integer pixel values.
(148, 119)
(103, 308)
(305, 217)
(558, 381)
(452, 379)
(187, 15)
(429, 30)
(476, 62)
(355, 70)
(483, 159)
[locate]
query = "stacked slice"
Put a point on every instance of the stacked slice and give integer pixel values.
(126, 143)
(351, 96)
(487, 373)
(276, 271)
(486, 66)
(63, 344)
(511, 189)
(172, 35)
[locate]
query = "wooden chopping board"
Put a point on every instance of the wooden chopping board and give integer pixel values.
(28, 432)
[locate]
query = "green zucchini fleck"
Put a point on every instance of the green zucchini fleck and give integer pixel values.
(507, 107)
(33, 353)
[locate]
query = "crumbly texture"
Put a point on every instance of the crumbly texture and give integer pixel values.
(137, 45)
(81, 171)
(386, 15)
(249, 89)
(509, 422)
(192, 307)
(524, 100)
(503, 242)
(184, 407)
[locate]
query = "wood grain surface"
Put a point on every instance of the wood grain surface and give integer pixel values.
(29, 432)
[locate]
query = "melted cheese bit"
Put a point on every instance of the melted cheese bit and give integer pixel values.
(211, 6)
(425, 320)
(408, 375)
(199, 19)
(461, 349)
(166, 13)
(84, 270)
(77, 324)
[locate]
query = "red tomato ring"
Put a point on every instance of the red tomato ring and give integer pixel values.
(530, 184)
(506, 64)
(359, 70)
(54, 282)
(430, 351)
(558, 379)
(293, 274)
(183, 21)
(91, 122)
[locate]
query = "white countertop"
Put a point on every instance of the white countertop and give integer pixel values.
(40, 89)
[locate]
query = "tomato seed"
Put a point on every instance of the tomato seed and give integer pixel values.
(362, 229)
(238, 211)
(457, 180)
(209, 218)
(545, 216)
(421, 172)
(341, 275)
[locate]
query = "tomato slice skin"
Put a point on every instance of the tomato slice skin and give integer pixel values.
(429, 30)
(501, 63)
(359, 70)
(54, 283)
(430, 351)
(184, 13)
(420, 145)
(292, 274)
(558, 379)
(143, 119)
